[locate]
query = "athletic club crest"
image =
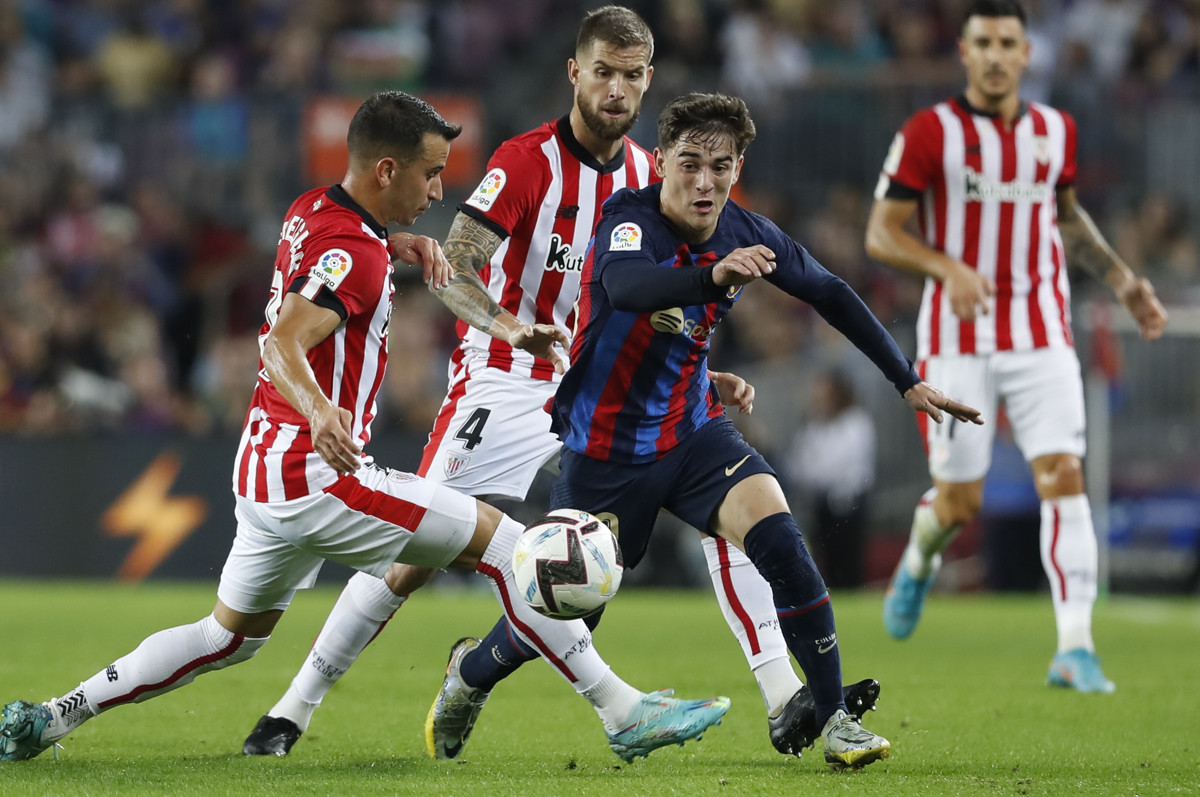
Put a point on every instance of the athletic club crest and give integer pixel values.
(456, 463)
(1041, 149)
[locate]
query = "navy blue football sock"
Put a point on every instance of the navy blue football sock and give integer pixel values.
(498, 656)
(802, 603)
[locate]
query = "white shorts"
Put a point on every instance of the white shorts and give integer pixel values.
(492, 434)
(367, 521)
(1042, 392)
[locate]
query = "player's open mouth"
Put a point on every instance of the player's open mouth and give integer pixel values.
(703, 205)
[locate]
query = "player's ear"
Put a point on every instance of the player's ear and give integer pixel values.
(385, 169)
(573, 71)
(660, 163)
(737, 168)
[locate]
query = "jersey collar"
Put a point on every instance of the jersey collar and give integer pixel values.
(586, 158)
(961, 99)
(340, 197)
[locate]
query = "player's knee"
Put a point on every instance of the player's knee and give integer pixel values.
(403, 580)
(959, 505)
(1057, 475)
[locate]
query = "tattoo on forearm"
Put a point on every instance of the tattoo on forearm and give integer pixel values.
(469, 247)
(1085, 245)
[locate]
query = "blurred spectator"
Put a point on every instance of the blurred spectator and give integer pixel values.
(1098, 36)
(763, 57)
(832, 461)
(844, 44)
(136, 67)
(389, 47)
(25, 72)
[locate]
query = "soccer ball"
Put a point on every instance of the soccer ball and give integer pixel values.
(567, 565)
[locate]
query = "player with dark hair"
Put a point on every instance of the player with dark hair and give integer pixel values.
(642, 425)
(989, 179)
(304, 490)
(517, 245)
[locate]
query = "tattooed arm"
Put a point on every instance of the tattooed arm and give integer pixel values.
(1087, 249)
(469, 246)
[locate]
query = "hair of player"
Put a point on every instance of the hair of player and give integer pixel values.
(706, 118)
(394, 124)
(995, 8)
(615, 25)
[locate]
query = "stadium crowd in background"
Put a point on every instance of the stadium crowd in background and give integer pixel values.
(147, 149)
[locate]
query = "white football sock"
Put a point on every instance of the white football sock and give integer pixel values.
(927, 539)
(1069, 556)
(361, 611)
(749, 608)
(163, 662)
(565, 644)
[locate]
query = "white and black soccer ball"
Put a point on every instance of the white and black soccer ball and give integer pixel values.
(567, 565)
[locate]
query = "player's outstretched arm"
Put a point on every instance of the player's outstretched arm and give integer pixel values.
(469, 247)
(924, 397)
(1087, 248)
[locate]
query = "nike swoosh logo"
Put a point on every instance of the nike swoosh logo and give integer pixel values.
(729, 471)
(826, 648)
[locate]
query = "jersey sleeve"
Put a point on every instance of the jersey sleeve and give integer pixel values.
(627, 250)
(509, 192)
(800, 275)
(913, 161)
(339, 273)
(1070, 168)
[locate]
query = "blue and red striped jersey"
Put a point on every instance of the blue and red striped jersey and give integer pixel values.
(638, 383)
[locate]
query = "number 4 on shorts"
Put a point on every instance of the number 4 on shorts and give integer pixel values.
(471, 432)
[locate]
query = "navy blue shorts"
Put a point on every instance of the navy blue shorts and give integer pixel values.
(690, 482)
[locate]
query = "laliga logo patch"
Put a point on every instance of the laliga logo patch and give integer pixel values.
(333, 266)
(669, 320)
(489, 188)
(626, 237)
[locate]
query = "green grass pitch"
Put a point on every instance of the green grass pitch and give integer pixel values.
(963, 702)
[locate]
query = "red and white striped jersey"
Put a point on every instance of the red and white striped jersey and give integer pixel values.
(542, 195)
(987, 198)
(333, 253)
